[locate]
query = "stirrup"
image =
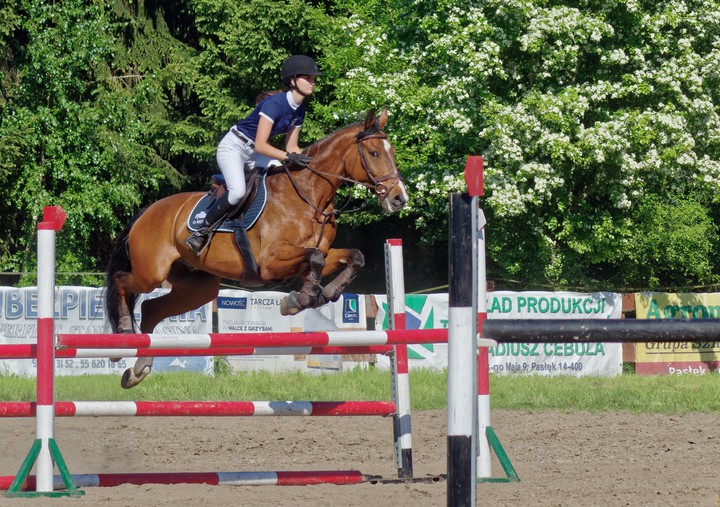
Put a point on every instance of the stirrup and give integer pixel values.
(198, 241)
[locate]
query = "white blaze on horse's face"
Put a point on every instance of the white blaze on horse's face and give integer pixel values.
(400, 198)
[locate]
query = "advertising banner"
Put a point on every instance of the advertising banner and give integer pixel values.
(680, 357)
(241, 311)
(549, 359)
(577, 359)
(81, 310)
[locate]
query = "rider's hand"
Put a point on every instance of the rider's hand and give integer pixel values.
(298, 159)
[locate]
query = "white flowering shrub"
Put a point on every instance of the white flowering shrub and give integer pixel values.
(598, 122)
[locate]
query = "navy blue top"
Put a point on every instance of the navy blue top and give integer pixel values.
(280, 109)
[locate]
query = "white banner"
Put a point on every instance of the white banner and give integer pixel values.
(241, 311)
(81, 310)
(549, 359)
(577, 359)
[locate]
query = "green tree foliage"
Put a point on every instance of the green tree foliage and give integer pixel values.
(79, 99)
(242, 47)
(598, 120)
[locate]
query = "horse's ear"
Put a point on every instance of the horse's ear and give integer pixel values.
(383, 118)
(370, 119)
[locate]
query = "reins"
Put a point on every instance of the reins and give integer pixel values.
(326, 216)
(377, 183)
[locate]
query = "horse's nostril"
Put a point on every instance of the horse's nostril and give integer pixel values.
(399, 202)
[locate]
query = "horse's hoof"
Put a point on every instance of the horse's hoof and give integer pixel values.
(330, 294)
(131, 379)
(289, 305)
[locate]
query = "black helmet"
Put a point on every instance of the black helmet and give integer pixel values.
(299, 65)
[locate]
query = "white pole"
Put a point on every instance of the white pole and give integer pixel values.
(402, 426)
(484, 464)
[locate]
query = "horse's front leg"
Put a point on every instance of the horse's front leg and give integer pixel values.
(310, 295)
(352, 259)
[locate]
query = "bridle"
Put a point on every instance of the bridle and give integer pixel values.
(376, 185)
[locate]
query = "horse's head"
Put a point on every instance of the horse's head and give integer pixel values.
(375, 164)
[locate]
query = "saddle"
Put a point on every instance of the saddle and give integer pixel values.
(241, 218)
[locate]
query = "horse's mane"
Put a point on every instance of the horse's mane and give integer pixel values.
(374, 129)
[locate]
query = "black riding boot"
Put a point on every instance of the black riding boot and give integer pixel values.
(199, 239)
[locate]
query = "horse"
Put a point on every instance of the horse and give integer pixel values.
(291, 239)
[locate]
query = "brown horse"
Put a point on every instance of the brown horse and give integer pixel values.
(290, 239)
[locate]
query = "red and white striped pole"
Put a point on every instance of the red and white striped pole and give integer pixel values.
(203, 408)
(272, 340)
(53, 220)
(402, 426)
(278, 478)
(29, 351)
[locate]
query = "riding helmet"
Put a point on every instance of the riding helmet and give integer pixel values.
(299, 65)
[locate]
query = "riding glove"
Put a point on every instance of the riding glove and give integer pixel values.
(298, 159)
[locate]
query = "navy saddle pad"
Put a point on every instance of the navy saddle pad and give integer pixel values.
(197, 215)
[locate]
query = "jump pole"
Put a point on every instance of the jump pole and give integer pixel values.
(277, 478)
(474, 177)
(203, 408)
(402, 426)
(602, 330)
(29, 351)
(274, 340)
(45, 450)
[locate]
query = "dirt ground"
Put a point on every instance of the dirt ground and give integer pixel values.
(563, 459)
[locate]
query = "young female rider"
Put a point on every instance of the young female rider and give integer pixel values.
(279, 113)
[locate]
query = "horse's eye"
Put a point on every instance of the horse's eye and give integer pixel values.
(374, 154)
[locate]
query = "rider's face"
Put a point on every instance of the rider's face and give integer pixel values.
(305, 84)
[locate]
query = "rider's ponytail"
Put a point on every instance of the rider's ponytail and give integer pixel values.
(267, 94)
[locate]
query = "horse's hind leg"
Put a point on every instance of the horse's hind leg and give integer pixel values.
(126, 286)
(190, 290)
(352, 259)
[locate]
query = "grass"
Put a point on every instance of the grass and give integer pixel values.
(633, 393)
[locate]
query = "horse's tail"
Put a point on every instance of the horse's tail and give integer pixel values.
(119, 261)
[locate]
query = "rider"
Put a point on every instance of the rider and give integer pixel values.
(277, 113)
